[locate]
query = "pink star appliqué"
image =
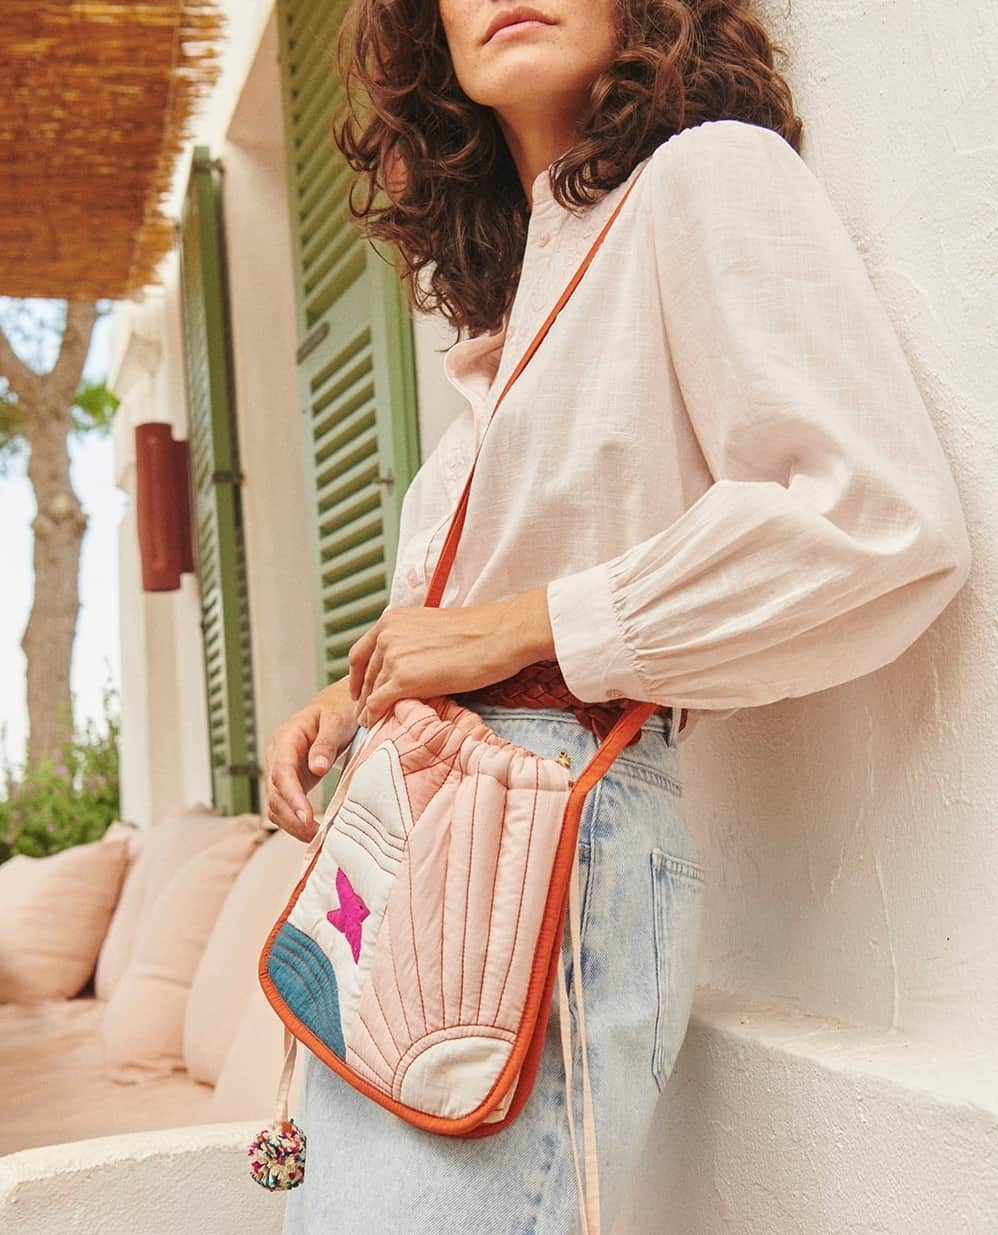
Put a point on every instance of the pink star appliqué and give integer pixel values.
(350, 914)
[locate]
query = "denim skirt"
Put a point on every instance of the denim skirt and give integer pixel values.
(642, 882)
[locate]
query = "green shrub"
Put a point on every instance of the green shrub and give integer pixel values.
(69, 802)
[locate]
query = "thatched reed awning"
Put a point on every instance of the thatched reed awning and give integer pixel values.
(95, 109)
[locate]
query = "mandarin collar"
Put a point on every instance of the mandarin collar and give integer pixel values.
(471, 365)
(541, 197)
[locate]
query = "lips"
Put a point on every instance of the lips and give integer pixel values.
(512, 16)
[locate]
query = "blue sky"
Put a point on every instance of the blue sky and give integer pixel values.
(95, 652)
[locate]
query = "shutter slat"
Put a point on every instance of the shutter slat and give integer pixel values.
(351, 524)
(361, 585)
(313, 56)
(352, 562)
(346, 624)
(312, 157)
(313, 107)
(333, 228)
(316, 200)
(301, 15)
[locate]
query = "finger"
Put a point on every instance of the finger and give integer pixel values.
(379, 701)
(329, 741)
(279, 813)
(358, 656)
(374, 671)
(291, 749)
(292, 807)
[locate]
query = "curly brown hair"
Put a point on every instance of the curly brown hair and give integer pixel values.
(455, 202)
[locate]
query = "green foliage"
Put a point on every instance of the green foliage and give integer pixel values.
(94, 407)
(70, 802)
(92, 412)
(13, 443)
(34, 329)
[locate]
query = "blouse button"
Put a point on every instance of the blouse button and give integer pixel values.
(543, 238)
(412, 578)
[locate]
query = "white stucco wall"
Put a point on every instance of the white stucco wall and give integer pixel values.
(146, 1183)
(850, 835)
(841, 1072)
(164, 734)
(261, 297)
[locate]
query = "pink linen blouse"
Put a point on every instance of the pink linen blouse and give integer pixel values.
(717, 461)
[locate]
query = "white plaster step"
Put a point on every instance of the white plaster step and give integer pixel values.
(780, 1123)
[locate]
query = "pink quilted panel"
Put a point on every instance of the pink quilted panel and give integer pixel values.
(425, 903)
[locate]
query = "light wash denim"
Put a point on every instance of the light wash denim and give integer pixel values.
(368, 1172)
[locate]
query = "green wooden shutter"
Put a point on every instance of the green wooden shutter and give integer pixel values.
(215, 481)
(355, 355)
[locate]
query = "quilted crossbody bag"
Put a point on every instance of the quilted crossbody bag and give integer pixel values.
(417, 954)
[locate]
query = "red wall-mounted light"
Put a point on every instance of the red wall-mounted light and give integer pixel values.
(163, 506)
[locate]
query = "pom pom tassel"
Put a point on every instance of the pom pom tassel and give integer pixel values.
(277, 1156)
(277, 1152)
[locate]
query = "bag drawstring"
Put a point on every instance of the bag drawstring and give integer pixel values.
(588, 1190)
(284, 1085)
(277, 1152)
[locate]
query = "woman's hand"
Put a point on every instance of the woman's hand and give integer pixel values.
(419, 651)
(302, 751)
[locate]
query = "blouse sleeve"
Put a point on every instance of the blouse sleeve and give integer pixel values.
(833, 533)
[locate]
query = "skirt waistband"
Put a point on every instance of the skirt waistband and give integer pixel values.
(658, 722)
(541, 685)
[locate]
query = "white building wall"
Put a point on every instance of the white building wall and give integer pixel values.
(272, 449)
(841, 1072)
(164, 730)
(850, 835)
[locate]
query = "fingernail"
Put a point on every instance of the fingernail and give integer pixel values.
(320, 762)
(301, 815)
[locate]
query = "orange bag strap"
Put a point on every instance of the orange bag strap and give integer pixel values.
(449, 550)
(633, 717)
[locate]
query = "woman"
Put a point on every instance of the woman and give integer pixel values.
(714, 486)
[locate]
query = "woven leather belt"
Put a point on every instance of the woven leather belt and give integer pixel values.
(541, 685)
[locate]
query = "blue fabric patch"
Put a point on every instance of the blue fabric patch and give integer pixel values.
(303, 975)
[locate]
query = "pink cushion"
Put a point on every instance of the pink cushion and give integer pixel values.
(142, 1027)
(163, 850)
(55, 914)
(135, 836)
(227, 970)
(247, 1084)
(55, 1090)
